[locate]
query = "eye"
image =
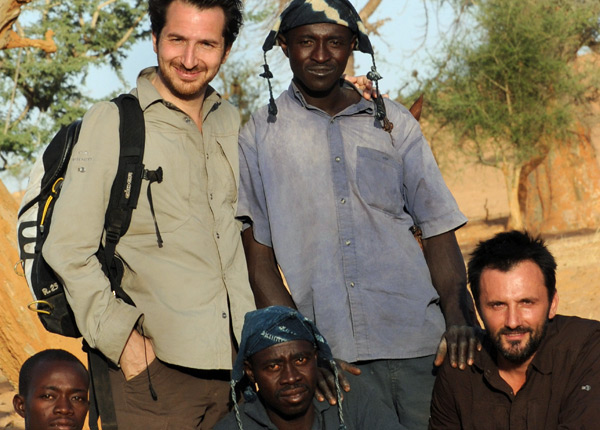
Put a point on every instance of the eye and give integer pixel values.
(273, 367)
(79, 399)
(46, 396)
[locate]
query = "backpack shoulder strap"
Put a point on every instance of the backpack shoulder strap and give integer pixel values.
(126, 187)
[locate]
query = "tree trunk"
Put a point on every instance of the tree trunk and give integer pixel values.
(9, 12)
(365, 14)
(512, 176)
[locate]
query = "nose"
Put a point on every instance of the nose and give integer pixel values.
(63, 406)
(189, 56)
(320, 53)
(290, 374)
(513, 317)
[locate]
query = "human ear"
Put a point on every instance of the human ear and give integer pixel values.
(19, 404)
(249, 372)
(283, 43)
(155, 42)
(553, 306)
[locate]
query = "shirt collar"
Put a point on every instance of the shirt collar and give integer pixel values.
(363, 106)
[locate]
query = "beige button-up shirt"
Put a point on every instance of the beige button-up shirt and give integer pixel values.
(188, 292)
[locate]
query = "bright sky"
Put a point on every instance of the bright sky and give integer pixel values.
(410, 34)
(403, 45)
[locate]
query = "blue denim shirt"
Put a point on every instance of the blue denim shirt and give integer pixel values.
(335, 197)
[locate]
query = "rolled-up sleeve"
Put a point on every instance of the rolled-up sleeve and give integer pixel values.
(252, 205)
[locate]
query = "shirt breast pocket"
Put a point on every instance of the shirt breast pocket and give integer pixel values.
(379, 180)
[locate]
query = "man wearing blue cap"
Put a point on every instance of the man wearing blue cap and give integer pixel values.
(330, 186)
(278, 356)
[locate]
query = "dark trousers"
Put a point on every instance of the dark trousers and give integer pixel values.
(187, 398)
(404, 385)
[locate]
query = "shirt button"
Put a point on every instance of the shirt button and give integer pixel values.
(348, 242)
(187, 120)
(218, 236)
(338, 159)
(343, 201)
(352, 284)
(224, 315)
(211, 196)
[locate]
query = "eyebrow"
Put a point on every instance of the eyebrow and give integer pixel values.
(54, 388)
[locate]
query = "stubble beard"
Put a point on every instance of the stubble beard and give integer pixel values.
(180, 89)
(515, 353)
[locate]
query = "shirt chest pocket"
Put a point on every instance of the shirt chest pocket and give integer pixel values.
(170, 197)
(223, 167)
(379, 180)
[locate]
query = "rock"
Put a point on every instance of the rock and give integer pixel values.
(563, 193)
(21, 333)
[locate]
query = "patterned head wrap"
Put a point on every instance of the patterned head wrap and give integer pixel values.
(270, 326)
(304, 12)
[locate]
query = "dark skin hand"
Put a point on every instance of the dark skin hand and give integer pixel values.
(448, 275)
(269, 290)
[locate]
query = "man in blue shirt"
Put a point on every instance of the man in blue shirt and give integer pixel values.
(330, 186)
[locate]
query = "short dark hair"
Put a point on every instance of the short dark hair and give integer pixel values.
(157, 9)
(46, 356)
(504, 251)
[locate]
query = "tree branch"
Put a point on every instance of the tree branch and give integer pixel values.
(97, 12)
(129, 32)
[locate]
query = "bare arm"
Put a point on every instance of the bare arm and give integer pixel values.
(448, 275)
(265, 278)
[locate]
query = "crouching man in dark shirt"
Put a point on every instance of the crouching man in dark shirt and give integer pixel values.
(537, 370)
(278, 356)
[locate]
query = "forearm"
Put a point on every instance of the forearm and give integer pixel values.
(448, 275)
(265, 279)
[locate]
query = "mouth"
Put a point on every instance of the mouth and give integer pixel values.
(320, 70)
(513, 336)
(294, 394)
(63, 425)
(187, 75)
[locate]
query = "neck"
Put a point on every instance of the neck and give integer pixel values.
(303, 421)
(514, 374)
(191, 105)
(331, 101)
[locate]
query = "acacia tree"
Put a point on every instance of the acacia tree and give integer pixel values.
(42, 90)
(507, 88)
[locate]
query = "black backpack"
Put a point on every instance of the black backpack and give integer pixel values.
(35, 216)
